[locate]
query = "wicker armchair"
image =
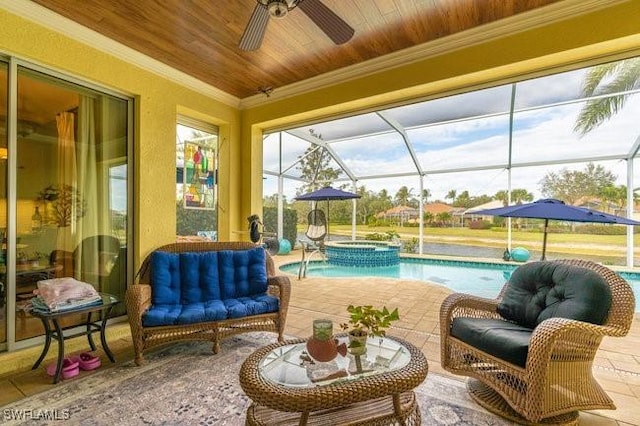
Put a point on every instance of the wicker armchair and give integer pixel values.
(138, 301)
(555, 380)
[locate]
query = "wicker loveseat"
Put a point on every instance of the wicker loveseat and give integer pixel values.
(205, 291)
(530, 351)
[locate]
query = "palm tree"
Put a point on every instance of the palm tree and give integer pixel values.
(451, 195)
(614, 77)
(404, 196)
(519, 195)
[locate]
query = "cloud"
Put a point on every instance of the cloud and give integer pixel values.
(539, 135)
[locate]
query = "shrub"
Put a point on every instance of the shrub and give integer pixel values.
(480, 224)
(289, 230)
(190, 221)
(410, 246)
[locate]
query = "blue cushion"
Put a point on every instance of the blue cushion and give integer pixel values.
(165, 278)
(199, 277)
(253, 305)
(242, 272)
(191, 313)
(161, 315)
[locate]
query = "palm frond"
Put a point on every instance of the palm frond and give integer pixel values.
(625, 76)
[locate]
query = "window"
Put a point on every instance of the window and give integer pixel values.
(196, 178)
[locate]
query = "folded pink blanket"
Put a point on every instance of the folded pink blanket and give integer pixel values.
(62, 291)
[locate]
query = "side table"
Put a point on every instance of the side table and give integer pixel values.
(54, 331)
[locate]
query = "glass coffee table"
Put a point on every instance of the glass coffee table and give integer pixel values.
(288, 387)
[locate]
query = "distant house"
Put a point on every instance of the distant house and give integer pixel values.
(402, 214)
(469, 214)
(437, 207)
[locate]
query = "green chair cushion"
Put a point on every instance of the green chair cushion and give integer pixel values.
(540, 290)
(502, 339)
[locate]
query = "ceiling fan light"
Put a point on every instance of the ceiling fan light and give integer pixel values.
(278, 9)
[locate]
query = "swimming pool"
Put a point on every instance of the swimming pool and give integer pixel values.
(483, 279)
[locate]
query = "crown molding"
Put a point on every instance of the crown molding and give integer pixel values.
(498, 29)
(51, 20)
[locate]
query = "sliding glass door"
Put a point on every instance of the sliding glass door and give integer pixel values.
(68, 191)
(4, 102)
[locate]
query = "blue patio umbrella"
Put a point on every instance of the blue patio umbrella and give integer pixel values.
(327, 194)
(552, 209)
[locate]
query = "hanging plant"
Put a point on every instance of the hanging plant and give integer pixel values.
(66, 204)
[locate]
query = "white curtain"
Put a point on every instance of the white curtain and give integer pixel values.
(87, 180)
(66, 178)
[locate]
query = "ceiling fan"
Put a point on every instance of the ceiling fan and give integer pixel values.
(330, 23)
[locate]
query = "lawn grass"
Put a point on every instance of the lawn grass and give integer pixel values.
(604, 246)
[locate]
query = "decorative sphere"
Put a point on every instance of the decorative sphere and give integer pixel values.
(285, 247)
(520, 254)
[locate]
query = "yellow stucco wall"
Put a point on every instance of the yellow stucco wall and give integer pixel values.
(611, 32)
(157, 102)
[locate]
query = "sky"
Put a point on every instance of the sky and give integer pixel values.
(479, 137)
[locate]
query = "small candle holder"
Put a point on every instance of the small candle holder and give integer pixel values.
(323, 329)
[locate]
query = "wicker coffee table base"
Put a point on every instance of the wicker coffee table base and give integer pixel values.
(495, 403)
(371, 413)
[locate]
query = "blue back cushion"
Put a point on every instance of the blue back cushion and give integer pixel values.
(199, 277)
(165, 278)
(242, 272)
(541, 290)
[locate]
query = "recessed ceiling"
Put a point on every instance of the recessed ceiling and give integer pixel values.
(200, 37)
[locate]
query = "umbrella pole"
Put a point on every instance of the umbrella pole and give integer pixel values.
(328, 233)
(544, 239)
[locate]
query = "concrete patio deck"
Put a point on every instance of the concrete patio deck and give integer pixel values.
(617, 365)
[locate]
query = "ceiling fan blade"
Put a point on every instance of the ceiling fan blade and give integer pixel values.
(332, 25)
(254, 32)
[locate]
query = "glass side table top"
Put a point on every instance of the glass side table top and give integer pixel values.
(291, 365)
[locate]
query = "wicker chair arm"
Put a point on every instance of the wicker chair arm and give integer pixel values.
(465, 305)
(138, 300)
(280, 287)
(565, 339)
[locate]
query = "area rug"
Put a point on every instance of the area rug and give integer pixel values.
(185, 384)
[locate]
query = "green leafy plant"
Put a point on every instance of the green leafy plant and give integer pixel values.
(369, 321)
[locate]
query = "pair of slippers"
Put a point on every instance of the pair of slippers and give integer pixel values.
(71, 366)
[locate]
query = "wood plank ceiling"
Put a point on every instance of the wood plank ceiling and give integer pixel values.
(200, 37)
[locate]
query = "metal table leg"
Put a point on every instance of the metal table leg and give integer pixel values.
(103, 337)
(90, 332)
(60, 338)
(47, 343)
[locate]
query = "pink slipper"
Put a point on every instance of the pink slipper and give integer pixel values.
(70, 368)
(87, 361)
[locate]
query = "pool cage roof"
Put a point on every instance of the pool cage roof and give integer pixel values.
(524, 124)
(490, 139)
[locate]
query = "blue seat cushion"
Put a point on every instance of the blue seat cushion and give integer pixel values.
(251, 305)
(199, 277)
(502, 339)
(165, 278)
(192, 313)
(242, 273)
(541, 290)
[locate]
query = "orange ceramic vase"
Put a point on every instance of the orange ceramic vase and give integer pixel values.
(323, 347)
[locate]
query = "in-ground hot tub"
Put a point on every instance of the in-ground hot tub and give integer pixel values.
(362, 253)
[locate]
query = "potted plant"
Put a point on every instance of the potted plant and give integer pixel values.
(367, 321)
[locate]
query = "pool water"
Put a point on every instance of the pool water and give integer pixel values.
(482, 279)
